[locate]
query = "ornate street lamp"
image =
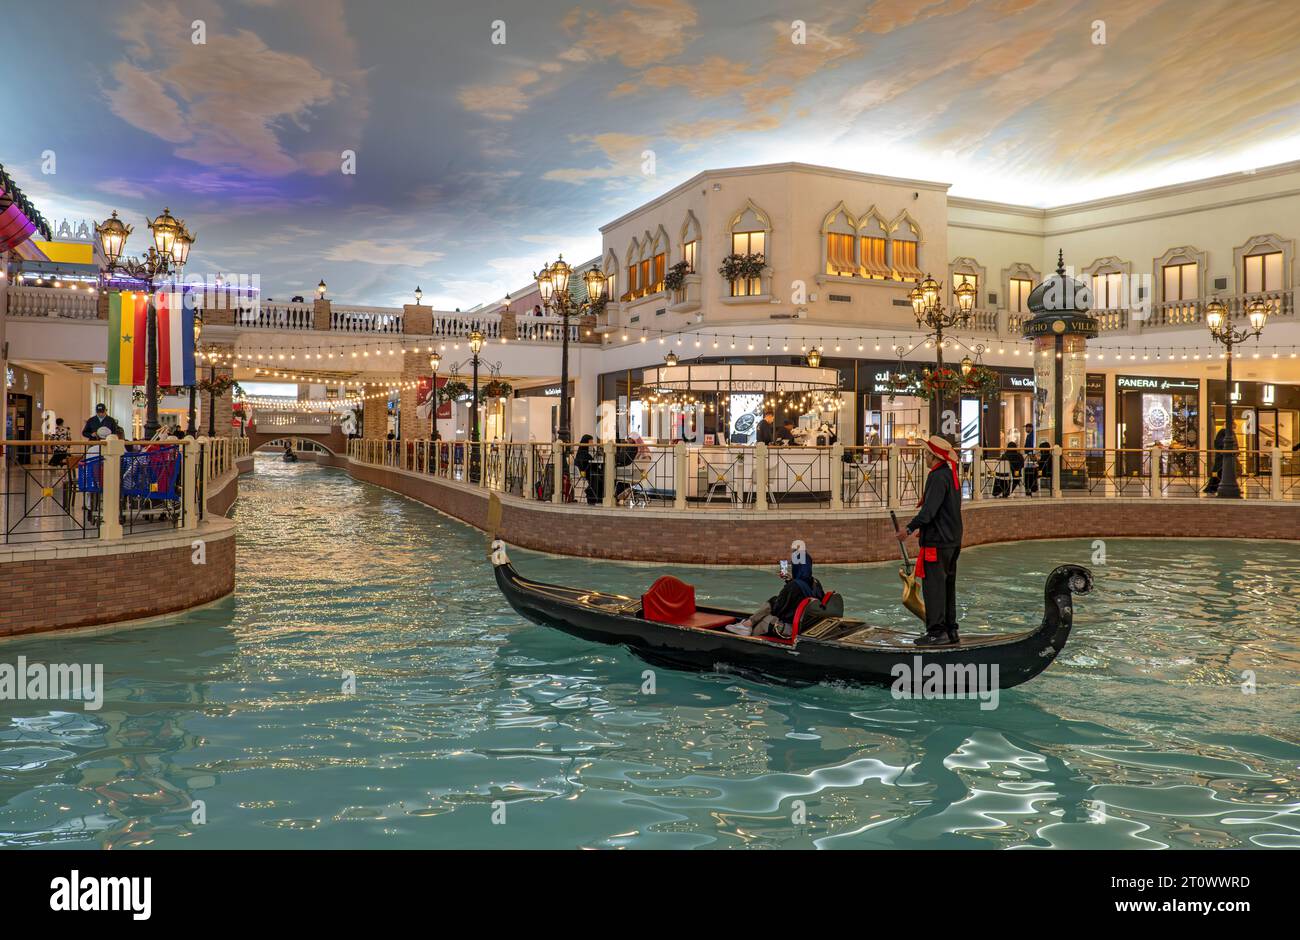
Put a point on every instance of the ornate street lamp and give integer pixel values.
(164, 259)
(966, 365)
(934, 318)
(1223, 332)
(320, 290)
(670, 359)
(419, 295)
(435, 360)
(814, 357)
(553, 285)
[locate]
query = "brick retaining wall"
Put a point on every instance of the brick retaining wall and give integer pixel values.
(47, 586)
(727, 537)
(84, 584)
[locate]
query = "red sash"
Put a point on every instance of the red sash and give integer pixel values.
(922, 556)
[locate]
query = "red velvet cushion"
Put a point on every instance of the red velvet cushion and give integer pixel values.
(668, 601)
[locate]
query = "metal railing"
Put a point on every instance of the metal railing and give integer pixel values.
(762, 478)
(59, 490)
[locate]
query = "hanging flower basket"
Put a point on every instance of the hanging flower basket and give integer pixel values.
(982, 382)
(939, 383)
(140, 396)
(900, 383)
(453, 391)
(497, 389)
(736, 267)
(218, 386)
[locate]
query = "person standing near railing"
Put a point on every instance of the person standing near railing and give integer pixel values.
(939, 524)
(100, 419)
(59, 455)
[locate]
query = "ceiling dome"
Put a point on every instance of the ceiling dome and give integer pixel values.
(1059, 293)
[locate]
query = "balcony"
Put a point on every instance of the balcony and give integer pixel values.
(347, 319)
(67, 303)
(1183, 313)
(689, 298)
(530, 329)
(293, 316)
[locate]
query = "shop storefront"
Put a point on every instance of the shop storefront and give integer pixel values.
(24, 402)
(1153, 410)
(534, 413)
(1267, 415)
(716, 410)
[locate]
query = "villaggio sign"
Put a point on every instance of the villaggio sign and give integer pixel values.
(1075, 324)
(1148, 384)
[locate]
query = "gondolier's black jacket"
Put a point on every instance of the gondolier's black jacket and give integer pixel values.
(940, 517)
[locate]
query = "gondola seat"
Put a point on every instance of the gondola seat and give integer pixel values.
(811, 610)
(672, 601)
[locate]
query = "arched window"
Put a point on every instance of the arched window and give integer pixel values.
(750, 229)
(633, 269)
(659, 260)
(691, 242)
(1018, 281)
(904, 249)
(611, 277)
(1110, 279)
(873, 245)
(1264, 264)
(839, 249)
(965, 271)
(646, 274)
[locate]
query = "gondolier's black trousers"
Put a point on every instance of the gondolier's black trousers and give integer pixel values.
(939, 588)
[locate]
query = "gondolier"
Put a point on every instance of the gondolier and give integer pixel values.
(939, 523)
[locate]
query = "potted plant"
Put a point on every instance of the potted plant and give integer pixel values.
(497, 389)
(675, 277)
(737, 267)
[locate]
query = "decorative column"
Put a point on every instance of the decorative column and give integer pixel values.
(415, 366)
(374, 415)
(321, 314)
(1060, 328)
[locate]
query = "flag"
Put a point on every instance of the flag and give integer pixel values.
(128, 338)
(175, 340)
(127, 315)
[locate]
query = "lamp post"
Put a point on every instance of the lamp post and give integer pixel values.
(553, 285)
(194, 388)
(1223, 332)
(934, 318)
(165, 259)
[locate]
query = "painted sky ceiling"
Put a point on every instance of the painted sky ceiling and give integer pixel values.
(476, 161)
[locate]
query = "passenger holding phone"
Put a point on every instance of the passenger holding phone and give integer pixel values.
(778, 613)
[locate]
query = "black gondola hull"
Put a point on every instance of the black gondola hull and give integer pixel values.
(873, 656)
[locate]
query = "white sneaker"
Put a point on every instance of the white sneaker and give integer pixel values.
(740, 628)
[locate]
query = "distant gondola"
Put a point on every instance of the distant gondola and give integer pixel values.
(824, 647)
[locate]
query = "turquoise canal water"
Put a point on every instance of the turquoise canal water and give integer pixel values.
(1140, 736)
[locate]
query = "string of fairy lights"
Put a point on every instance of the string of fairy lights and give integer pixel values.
(298, 364)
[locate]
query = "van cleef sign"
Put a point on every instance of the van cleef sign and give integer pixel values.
(1146, 383)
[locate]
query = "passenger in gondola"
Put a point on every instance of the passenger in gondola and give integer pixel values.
(777, 615)
(939, 523)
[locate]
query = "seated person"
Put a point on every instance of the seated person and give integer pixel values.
(778, 613)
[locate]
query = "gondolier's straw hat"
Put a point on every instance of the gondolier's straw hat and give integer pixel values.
(941, 448)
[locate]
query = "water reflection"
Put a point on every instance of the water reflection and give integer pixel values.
(1140, 736)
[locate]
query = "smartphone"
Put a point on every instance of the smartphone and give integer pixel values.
(785, 567)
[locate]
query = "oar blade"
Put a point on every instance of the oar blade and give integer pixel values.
(493, 516)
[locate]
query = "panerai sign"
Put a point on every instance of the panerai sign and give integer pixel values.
(1156, 385)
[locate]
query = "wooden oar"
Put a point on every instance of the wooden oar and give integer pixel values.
(493, 517)
(912, 598)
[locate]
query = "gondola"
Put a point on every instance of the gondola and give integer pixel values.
(289, 457)
(826, 647)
